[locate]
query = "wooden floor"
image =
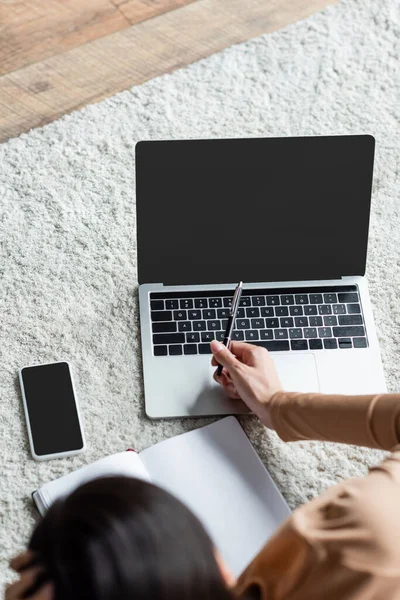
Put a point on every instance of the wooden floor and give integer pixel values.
(59, 55)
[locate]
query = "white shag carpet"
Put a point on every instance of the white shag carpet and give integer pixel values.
(68, 258)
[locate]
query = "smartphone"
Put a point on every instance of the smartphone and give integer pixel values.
(51, 411)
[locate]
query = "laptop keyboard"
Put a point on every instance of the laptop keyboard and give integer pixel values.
(288, 319)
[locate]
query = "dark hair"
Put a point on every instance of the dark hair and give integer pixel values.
(119, 538)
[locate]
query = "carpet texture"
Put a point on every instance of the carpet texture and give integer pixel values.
(68, 255)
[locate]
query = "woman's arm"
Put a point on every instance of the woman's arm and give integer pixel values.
(249, 373)
(372, 421)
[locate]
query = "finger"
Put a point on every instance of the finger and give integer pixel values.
(223, 356)
(227, 384)
(46, 592)
(27, 579)
(248, 353)
(214, 362)
(22, 561)
(222, 379)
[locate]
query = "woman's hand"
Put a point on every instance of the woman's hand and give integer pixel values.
(248, 373)
(27, 585)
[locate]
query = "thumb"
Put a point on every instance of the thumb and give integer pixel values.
(223, 355)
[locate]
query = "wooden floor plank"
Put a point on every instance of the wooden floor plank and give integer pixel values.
(33, 30)
(44, 91)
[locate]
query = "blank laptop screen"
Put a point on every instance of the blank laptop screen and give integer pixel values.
(273, 209)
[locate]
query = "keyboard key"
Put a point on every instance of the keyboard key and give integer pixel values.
(330, 321)
(311, 309)
(339, 309)
(271, 323)
(301, 322)
(223, 313)
(257, 323)
(220, 335)
(168, 338)
(199, 326)
(258, 300)
(315, 344)
(281, 334)
(287, 322)
(350, 320)
(267, 334)
(160, 350)
(184, 326)
(345, 343)
(238, 336)
(245, 301)
(272, 300)
(325, 309)
(253, 312)
(301, 298)
(194, 314)
(243, 323)
(204, 349)
(316, 299)
(171, 304)
(281, 311)
(209, 313)
(157, 305)
(228, 301)
(325, 332)
(192, 337)
(214, 325)
(267, 311)
(274, 345)
(168, 327)
(180, 315)
(360, 342)
(214, 302)
(207, 336)
(349, 331)
(295, 333)
(296, 311)
(201, 303)
(353, 309)
(241, 314)
(330, 298)
(174, 350)
(299, 344)
(186, 303)
(251, 336)
(347, 297)
(165, 315)
(190, 349)
(330, 344)
(224, 324)
(310, 332)
(315, 321)
(287, 299)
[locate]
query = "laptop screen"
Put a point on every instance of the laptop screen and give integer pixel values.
(271, 209)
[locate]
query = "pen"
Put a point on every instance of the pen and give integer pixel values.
(231, 320)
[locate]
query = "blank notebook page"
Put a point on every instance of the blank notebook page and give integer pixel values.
(123, 463)
(217, 473)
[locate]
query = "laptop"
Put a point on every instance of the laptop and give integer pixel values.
(287, 216)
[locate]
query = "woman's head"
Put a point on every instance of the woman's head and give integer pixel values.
(119, 538)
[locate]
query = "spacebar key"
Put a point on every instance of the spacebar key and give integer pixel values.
(273, 345)
(169, 338)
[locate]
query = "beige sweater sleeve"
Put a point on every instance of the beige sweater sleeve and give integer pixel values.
(343, 545)
(372, 421)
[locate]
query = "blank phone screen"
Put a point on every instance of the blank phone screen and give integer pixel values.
(52, 409)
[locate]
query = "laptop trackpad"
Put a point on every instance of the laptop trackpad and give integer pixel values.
(297, 372)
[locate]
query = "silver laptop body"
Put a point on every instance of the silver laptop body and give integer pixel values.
(320, 331)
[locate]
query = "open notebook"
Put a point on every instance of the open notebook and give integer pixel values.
(215, 471)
